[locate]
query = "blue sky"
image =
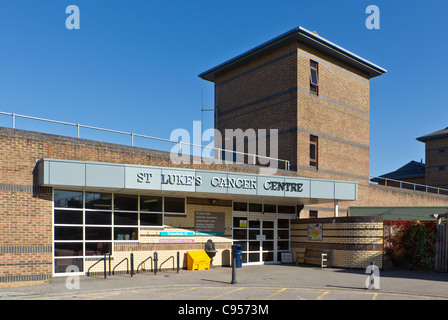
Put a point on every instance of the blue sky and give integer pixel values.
(133, 65)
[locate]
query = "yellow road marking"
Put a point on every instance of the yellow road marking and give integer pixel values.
(322, 295)
(274, 294)
(374, 296)
(215, 297)
(107, 295)
(172, 294)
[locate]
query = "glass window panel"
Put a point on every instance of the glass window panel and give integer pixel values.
(244, 257)
(98, 217)
(100, 201)
(270, 208)
(123, 234)
(98, 233)
(175, 205)
(254, 224)
(240, 206)
(67, 216)
(151, 219)
(313, 73)
(67, 199)
(313, 88)
(239, 222)
(269, 234)
(283, 223)
(268, 245)
(240, 234)
(283, 245)
(243, 245)
(268, 256)
(255, 207)
(64, 249)
(67, 233)
(254, 233)
(283, 234)
(151, 203)
(312, 151)
(98, 248)
(268, 224)
(126, 218)
(125, 202)
(254, 257)
(314, 77)
(254, 245)
(286, 209)
(60, 265)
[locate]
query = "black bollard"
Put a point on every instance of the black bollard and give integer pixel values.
(155, 262)
(132, 264)
(105, 274)
(234, 270)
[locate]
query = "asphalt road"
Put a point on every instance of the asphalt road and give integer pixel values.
(260, 283)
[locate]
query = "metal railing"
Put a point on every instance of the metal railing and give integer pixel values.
(168, 259)
(132, 135)
(142, 264)
(102, 259)
(127, 266)
(409, 185)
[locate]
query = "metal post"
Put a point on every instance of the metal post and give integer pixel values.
(105, 273)
(155, 262)
(77, 130)
(234, 270)
(109, 265)
(132, 139)
(233, 265)
(178, 262)
(132, 264)
(13, 120)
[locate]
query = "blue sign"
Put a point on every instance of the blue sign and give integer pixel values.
(176, 234)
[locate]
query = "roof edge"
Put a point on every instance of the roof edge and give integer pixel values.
(302, 35)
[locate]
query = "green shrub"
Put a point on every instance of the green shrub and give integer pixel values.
(412, 246)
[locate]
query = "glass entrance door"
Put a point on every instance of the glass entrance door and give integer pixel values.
(257, 237)
(267, 245)
(254, 241)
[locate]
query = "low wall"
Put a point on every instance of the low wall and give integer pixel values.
(152, 242)
(354, 241)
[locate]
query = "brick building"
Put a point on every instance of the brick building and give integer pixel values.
(436, 154)
(432, 175)
(68, 201)
(317, 95)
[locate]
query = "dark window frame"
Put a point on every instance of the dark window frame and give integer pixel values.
(314, 156)
(314, 85)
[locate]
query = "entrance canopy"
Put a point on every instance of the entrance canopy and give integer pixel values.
(111, 177)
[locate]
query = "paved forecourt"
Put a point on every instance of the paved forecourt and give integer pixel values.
(264, 282)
